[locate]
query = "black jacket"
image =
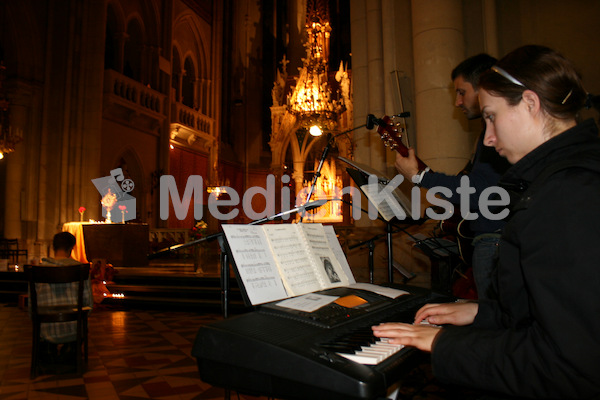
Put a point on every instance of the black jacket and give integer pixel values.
(486, 170)
(542, 338)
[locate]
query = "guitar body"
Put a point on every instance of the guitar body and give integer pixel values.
(464, 285)
(457, 227)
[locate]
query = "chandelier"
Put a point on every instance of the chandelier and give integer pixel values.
(8, 136)
(311, 100)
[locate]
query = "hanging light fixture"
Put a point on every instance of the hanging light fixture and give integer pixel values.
(9, 137)
(311, 100)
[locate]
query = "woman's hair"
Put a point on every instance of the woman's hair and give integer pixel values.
(540, 69)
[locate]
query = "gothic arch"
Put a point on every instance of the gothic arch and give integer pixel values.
(188, 35)
(191, 36)
(133, 49)
(115, 31)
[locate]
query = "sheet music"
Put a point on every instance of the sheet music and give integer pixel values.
(308, 302)
(382, 290)
(326, 262)
(387, 204)
(255, 263)
(276, 261)
(294, 261)
(335, 246)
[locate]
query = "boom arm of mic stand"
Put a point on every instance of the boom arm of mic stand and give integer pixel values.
(183, 245)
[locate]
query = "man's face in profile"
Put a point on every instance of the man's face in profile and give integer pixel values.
(466, 98)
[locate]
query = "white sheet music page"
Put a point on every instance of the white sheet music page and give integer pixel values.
(382, 290)
(308, 302)
(293, 258)
(326, 262)
(334, 243)
(386, 203)
(255, 263)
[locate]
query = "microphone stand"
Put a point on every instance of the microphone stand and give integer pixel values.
(317, 175)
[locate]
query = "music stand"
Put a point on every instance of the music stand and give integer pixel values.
(360, 176)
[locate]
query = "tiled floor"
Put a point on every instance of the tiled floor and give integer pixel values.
(132, 355)
(139, 354)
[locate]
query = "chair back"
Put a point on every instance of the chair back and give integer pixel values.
(52, 313)
(78, 273)
(9, 249)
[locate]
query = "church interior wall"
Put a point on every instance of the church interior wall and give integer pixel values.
(55, 71)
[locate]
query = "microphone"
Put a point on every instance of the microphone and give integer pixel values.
(373, 120)
(306, 207)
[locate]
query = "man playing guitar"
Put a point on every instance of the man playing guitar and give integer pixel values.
(483, 171)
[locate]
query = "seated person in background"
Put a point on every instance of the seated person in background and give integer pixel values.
(541, 337)
(59, 338)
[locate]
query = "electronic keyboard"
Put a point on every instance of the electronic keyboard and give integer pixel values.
(329, 354)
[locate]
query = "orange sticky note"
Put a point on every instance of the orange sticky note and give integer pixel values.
(350, 301)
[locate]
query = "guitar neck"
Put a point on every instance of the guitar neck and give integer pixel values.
(403, 150)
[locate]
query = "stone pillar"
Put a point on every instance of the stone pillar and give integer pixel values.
(298, 176)
(438, 45)
(368, 80)
(15, 165)
(490, 28)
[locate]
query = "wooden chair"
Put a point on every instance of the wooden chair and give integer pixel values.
(58, 313)
(9, 249)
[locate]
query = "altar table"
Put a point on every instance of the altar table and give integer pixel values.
(122, 245)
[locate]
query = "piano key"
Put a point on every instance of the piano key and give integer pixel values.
(361, 359)
(373, 354)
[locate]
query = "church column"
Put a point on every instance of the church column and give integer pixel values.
(15, 165)
(490, 28)
(298, 176)
(367, 78)
(438, 45)
(368, 83)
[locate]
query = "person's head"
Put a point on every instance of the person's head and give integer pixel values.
(63, 244)
(529, 96)
(465, 77)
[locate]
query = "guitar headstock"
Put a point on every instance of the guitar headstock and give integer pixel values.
(391, 134)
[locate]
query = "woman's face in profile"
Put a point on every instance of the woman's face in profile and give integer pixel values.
(511, 130)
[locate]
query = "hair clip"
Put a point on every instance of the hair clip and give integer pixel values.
(507, 76)
(567, 97)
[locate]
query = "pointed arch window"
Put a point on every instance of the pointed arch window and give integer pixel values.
(188, 82)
